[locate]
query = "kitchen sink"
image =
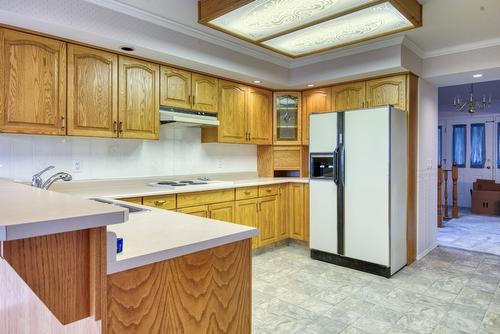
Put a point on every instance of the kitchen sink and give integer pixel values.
(131, 208)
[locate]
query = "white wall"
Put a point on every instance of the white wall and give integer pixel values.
(178, 152)
(427, 168)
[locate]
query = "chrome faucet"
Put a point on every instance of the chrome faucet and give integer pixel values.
(37, 181)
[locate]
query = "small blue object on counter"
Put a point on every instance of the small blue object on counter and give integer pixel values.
(119, 245)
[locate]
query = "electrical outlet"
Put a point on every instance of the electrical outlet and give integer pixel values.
(219, 163)
(77, 166)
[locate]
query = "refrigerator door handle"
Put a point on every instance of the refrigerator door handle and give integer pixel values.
(336, 163)
(340, 165)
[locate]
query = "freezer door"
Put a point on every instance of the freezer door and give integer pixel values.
(323, 133)
(323, 215)
(366, 194)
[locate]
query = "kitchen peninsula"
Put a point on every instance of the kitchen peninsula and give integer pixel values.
(176, 273)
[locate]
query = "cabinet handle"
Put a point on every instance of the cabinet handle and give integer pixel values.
(120, 127)
(247, 192)
(160, 202)
(194, 99)
(249, 136)
(269, 190)
(63, 122)
(115, 126)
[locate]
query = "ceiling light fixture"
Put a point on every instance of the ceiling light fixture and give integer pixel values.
(127, 48)
(300, 27)
(310, 85)
(477, 75)
(257, 81)
(472, 104)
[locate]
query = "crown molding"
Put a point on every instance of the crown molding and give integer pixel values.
(242, 47)
(462, 48)
(413, 47)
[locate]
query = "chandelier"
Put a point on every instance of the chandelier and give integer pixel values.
(471, 104)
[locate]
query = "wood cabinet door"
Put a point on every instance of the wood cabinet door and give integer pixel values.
(175, 87)
(204, 90)
(314, 100)
(282, 230)
(349, 96)
(384, 91)
(222, 211)
(200, 211)
(33, 91)
(260, 116)
(232, 112)
(268, 213)
(92, 92)
(246, 214)
(139, 105)
(297, 211)
(287, 119)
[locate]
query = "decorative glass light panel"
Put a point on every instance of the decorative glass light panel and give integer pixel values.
(364, 24)
(261, 19)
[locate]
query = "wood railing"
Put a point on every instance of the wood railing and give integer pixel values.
(443, 174)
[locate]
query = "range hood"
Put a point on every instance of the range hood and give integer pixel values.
(178, 117)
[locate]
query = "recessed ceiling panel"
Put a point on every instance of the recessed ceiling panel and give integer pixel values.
(367, 23)
(261, 19)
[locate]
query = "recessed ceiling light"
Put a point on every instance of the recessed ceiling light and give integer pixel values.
(127, 48)
(310, 85)
(479, 75)
(257, 81)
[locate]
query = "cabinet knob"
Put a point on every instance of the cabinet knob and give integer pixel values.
(160, 202)
(269, 190)
(63, 122)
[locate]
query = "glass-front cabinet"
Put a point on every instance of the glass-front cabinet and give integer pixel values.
(287, 118)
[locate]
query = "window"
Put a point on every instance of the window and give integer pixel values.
(477, 145)
(440, 145)
(459, 145)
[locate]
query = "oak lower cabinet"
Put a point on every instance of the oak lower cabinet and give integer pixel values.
(314, 100)
(222, 211)
(298, 221)
(139, 99)
(246, 214)
(92, 92)
(268, 219)
(33, 90)
(283, 218)
(200, 211)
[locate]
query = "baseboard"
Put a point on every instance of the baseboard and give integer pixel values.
(421, 255)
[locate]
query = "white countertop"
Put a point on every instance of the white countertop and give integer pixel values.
(159, 235)
(138, 187)
(29, 212)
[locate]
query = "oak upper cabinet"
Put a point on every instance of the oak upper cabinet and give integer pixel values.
(389, 90)
(287, 118)
(175, 85)
(232, 113)
(204, 91)
(349, 96)
(92, 92)
(260, 118)
(33, 77)
(268, 213)
(222, 211)
(314, 100)
(297, 212)
(139, 99)
(246, 214)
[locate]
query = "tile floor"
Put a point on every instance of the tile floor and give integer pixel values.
(471, 232)
(449, 291)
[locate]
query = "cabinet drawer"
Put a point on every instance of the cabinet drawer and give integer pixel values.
(166, 202)
(134, 200)
(269, 190)
(204, 197)
(246, 193)
(286, 158)
(200, 211)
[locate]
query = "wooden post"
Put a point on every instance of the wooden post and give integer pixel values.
(454, 177)
(440, 196)
(446, 217)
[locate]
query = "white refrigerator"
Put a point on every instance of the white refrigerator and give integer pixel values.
(358, 189)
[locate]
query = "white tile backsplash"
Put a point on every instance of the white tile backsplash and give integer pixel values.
(179, 151)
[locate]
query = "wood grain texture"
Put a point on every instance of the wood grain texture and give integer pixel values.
(246, 193)
(349, 96)
(269, 190)
(246, 214)
(33, 92)
(92, 92)
(204, 292)
(204, 197)
(265, 163)
(411, 229)
(388, 90)
(175, 87)
(204, 93)
(210, 9)
(268, 220)
(134, 200)
(57, 269)
(260, 119)
(314, 100)
(222, 211)
(287, 157)
(139, 100)
(283, 219)
(98, 272)
(297, 212)
(200, 211)
(232, 112)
